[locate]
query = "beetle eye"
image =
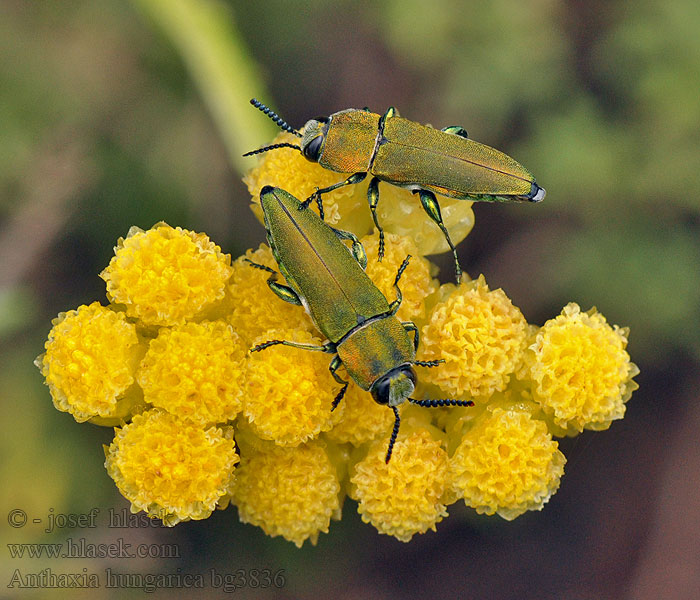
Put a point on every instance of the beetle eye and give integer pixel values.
(312, 150)
(380, 391)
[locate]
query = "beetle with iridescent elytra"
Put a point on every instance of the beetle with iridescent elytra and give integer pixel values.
(425, 160)
(328, 279)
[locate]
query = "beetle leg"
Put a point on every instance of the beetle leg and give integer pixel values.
(373, 198)
(390, 112)
(333, 367)
(327, 347)
(283, 291)
(354, 178)
(431, 206)
(358, 250)
(259, 266)
(456, 130)
(394, 306)
(411, 326)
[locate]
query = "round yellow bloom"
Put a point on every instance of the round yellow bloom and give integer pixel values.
(292, 492)
(363, 419)
(480, 335)
(254, 306)
(406, 496)
(581, 371)
(171, 469)
(507, 464)
(90, 359)
(195, 371)
(416, 282)
(165, 276)
(345, 207)
(289, 391)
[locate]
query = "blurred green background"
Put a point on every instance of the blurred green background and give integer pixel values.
(117, 113)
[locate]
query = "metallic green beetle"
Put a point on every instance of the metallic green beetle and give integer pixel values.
(424, 160)
(329, 280)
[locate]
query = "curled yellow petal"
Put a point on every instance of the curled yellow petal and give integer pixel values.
(417, 281)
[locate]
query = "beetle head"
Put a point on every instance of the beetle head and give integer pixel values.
(395, 386)
(313, 137)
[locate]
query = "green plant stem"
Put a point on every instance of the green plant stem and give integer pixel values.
(205, 35)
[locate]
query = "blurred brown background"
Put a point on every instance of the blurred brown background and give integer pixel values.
(107, 121)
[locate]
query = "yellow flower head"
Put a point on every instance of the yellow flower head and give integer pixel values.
(345, 207)
(405, 496)
(581, 372)
(289, 392)
(164, 275)
(90, 360)
(507, 464)
(171, 469)
(254, 307)
(480, 335)
(195, 371)
(292, 492)
(363, 419)
(416, 282)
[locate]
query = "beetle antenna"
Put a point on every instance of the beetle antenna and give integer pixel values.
(428, 363)
(273, 147)
(279, 121)
(441, 402)
(394, 434)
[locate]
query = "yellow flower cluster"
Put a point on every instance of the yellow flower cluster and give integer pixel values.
(90, 361)
(578, 398)
(171, 469)
(407, 495)
(306, 491)
(194, 371)
(507, 463)
(166, 275)
(281, 406)
(203, 422)
(481, 337)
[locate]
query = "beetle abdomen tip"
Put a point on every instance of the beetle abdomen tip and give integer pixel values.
(537, 193)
